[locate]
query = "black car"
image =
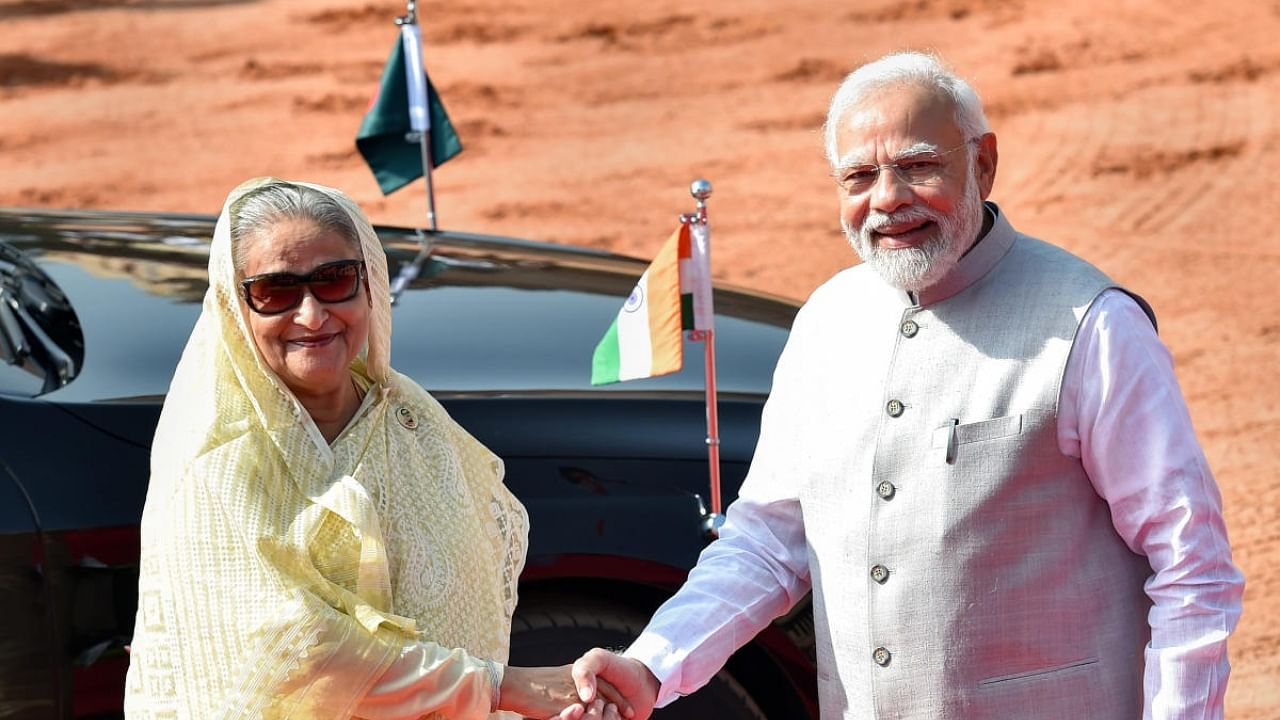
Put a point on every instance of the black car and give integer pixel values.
(95, 309)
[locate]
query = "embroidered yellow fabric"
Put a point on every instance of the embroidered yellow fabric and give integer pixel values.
(279, 576)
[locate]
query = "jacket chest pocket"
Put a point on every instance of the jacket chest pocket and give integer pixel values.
(952, 439)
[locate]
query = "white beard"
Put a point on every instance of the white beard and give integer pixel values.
(917, 268)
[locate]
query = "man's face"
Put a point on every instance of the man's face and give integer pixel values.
(912, 234)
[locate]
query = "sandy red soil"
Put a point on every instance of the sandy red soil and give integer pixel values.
(1141, 134)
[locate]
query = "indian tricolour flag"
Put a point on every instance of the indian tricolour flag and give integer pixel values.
(673, 295)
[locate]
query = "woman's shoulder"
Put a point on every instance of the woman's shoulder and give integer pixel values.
(405, 394)
(414, 408)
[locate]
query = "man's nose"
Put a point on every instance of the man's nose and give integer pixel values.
(890, 192)
(311, 313)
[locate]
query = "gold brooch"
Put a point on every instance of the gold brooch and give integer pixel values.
(406, 418)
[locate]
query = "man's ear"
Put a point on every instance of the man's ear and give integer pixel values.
(984, 164)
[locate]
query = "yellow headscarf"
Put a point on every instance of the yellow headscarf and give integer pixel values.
(281, 576)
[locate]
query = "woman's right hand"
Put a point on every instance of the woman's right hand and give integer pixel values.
(549, 693)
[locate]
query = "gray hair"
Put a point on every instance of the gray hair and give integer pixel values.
(260, 209)
(906, 68)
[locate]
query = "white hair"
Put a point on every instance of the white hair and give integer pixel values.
(905, 68)
(259, 210)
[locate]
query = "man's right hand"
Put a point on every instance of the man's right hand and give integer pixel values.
(632, 679)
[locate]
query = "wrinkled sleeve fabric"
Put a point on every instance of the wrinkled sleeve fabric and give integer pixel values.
(426, 678)
(1122, 413)
(284, 648)
(757, 569)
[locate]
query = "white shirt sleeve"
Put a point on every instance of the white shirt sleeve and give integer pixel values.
(1122, 413)
(742, 582)
(757, 569)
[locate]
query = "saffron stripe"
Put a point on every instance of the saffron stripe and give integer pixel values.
(666, 341)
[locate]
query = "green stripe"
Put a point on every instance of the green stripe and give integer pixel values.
(607, 360)
(686, 311)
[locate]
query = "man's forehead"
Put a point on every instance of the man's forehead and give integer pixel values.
(895, 119)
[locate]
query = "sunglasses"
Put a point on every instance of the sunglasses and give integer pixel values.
(274, 293)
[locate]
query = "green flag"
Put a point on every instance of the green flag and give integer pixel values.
(395, 159)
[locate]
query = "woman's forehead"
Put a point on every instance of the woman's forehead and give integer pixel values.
(296, 245)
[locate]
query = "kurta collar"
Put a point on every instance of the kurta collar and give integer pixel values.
(980, 259)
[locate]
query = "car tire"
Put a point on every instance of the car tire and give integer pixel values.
(557, 630)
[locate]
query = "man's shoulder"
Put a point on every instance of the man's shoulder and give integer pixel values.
(1056, 261)
(1030, 249)
(1057, 273)
(1048, 250)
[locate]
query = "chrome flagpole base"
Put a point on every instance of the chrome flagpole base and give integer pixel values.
(711, 524)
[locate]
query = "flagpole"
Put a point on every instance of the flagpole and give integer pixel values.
(701, 190)
(424, 137)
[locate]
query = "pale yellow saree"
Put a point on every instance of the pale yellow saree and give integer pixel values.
(282, 577)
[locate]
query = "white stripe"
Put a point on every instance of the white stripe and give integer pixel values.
(635, 347)
(704, 317)
(419, 119)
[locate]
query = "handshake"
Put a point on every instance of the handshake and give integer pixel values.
(601, 685)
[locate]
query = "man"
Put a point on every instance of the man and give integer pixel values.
(975, 454)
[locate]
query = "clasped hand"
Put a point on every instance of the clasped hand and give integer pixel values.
(601, 685)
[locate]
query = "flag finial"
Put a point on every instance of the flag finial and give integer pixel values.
(700, 189)
(410, 16)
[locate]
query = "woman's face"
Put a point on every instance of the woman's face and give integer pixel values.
(310, 346)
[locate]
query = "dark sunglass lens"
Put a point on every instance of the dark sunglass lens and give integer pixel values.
(271, 295)
(335, 284)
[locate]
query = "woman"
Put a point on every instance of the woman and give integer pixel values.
(320, 539)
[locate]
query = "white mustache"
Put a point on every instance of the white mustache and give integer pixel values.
(876, 221)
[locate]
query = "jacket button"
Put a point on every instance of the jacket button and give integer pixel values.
(879, 573)
(881, 656)
(909, 328)
(885, 490)
(894, 408)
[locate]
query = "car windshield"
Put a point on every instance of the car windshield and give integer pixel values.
(41, 344)
(481, 315)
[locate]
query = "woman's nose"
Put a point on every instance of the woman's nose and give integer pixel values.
(311, 313)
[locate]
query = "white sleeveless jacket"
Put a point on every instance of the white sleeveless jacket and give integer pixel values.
(962, 566)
